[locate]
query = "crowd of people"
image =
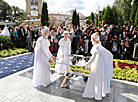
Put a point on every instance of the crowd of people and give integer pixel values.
(118, 40)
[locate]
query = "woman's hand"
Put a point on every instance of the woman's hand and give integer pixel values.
(54, 58)
(63, 56)
(83, 66)
(50, 61)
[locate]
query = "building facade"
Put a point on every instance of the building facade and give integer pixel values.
(33, 8)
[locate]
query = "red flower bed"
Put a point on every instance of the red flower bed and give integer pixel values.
(122, 65)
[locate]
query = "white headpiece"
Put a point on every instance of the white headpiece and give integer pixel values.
(44, 30)
(95, 36)
(65, 32)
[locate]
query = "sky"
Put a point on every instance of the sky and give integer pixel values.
(83, 6)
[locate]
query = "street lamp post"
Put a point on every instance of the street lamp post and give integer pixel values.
(28, 16)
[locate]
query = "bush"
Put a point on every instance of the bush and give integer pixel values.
(6, 42)
(12, 52)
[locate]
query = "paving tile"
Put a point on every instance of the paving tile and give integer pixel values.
(11, 95)
(34, 99)
(50, 89)
(74, 95)
(87, 100)
(55, 99)
(42, 95)
(31, 92)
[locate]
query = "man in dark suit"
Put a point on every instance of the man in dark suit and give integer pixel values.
(22, 36)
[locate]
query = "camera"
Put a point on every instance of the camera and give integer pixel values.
(105, 27)
(114, 38)
(87, 21)
(136, 28)
(27, 28)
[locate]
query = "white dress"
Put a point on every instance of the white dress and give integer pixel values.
(41, 73)
(101, 63)
(65, 48)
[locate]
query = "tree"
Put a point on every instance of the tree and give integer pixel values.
(91, 17)
(115, 16)
(136, 19)
(78, 19)
(11, 13)
(97, 22)
(74, 18)
(108, 16)
(44, 14)
(123, 9)
(5, 10)
(18, 14)
(102, 14)
(133, 11)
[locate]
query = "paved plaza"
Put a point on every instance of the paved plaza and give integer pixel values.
(17, 87)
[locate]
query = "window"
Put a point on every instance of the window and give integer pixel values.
(34, 13)
(34, 7)
(34, 1)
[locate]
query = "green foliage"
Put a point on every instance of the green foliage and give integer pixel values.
(133, 11)
(11, 13)
(12, 52)
(18, 14)
(6, 42)
(78, 19)
(97, 22)
(102, 14)
(115, 15)
(6, 10)
(44, 14)
(74, 18)
(91, 17)
(108, 15)
(123, 9)
(136, 19)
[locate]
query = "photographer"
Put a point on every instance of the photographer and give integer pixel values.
(135, 35)
(105, 43)
(86, 39)
(127, 54)
(115, 47)
(135, 40)
(78, 34)
(54, 39)
(90, 44)
(124, 32)
(104, 33)
(122, 47)
(111, 33)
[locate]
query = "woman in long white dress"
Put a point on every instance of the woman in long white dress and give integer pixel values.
(101, 63)
(64, 53)
(42, 60)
